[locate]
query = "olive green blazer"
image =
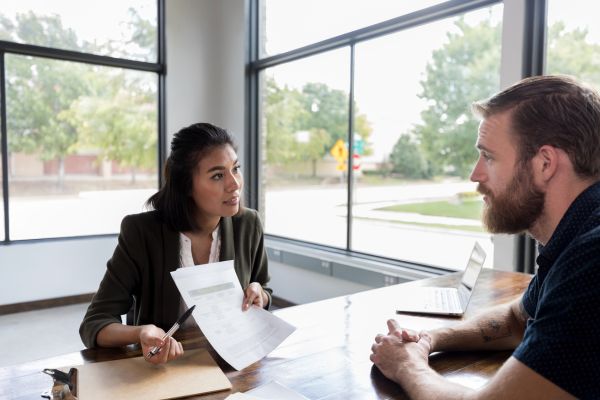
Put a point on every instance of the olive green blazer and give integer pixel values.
(146, 253)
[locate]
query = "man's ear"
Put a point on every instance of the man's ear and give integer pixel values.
(546, 162)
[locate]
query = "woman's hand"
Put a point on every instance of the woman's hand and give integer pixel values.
(254, 295)
(151, 336)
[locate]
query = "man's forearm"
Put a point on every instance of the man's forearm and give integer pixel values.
(498, 329)
(425, 384)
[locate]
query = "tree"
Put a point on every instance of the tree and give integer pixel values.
(140, 42)
(56, 107)
(407, 160)
(570, 53)
(318, 110)
(326, 109)
(283, 114)
(143, 37)
(464, 69)
(39, 89)
(313, 148)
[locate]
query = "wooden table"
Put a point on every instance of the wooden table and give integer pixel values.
(328, 356)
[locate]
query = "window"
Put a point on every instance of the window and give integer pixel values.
(306, 112)
(82, 128)
(413, 183)
(286, 22)
(115, 28)
(573, 41)
(413, 134)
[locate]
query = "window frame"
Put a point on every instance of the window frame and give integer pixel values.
(157, 67)
(532, 64)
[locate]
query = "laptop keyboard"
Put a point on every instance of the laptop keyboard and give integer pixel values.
(443, 299)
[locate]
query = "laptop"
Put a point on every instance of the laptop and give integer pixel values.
(451, 301)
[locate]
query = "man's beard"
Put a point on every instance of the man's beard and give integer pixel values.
(517, 208)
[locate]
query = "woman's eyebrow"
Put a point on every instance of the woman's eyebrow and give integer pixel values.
(215, 168)
(219, 167)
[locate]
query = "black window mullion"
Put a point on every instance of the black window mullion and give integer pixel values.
(349, 220)
(534, 43)
(534, 52)
(252, 176)
(162, 96)
(4, 145)
(75, 56)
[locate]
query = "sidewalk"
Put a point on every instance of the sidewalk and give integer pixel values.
(369, 211)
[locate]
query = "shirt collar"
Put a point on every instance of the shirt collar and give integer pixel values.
(569, 226)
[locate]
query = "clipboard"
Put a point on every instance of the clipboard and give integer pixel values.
(134, 378)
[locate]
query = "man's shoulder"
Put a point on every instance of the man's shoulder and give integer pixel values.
(589, 232)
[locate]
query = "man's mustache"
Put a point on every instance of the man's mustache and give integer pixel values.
(483, 190)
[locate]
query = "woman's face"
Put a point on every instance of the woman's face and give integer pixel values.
(217, 183)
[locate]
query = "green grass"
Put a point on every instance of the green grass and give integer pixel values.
(468, 209)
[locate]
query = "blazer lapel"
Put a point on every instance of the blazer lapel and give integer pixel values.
(228, 249)
(171, 304)
(227, 245)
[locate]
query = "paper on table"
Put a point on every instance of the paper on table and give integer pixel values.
(275, 391)
(240, 337)
(241, 396)
(270, 391)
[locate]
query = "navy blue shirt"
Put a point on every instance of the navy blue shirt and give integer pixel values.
(562, 338)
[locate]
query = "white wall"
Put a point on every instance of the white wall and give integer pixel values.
(301, 286)
(205, 82)
(205, 64)
(50, 269)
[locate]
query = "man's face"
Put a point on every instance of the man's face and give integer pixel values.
(512, 201)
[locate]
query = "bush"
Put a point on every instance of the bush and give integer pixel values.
(407, 160)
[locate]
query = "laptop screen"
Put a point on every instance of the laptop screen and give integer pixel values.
(474, 266)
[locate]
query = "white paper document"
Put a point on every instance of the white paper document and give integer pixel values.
(275, 391)
(240, 337)
(241, 396)
(270, 391)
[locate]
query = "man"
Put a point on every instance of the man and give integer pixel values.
(539, 171)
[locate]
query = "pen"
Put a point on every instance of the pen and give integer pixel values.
(153, 351)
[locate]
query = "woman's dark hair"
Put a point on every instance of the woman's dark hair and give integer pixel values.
(555, 110)
(173, 201)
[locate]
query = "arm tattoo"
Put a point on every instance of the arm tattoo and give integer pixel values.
(493, 330)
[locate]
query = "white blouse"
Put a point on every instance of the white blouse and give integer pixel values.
(187, 260)
(185, 252)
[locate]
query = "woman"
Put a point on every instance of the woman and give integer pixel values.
(196, 219)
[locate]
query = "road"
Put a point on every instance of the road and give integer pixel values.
(318, 215)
